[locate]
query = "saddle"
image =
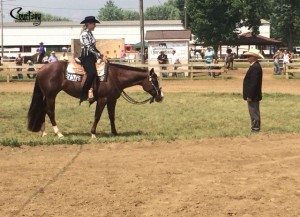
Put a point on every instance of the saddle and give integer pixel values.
(76, 73)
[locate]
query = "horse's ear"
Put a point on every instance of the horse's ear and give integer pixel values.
(151, 72)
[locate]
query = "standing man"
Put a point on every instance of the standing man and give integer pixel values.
(19, 62)
(209, 56)
(163, 59)
(252, 87)
(276, 58)
(53, 57)
(175, 60)
(41, 53)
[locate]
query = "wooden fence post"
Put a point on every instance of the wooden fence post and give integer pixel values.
(286, 73)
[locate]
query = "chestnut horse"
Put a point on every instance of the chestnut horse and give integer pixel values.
(50, 80)
(229, 61)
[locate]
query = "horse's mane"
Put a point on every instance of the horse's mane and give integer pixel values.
(128, 67)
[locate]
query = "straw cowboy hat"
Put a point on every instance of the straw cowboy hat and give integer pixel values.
(254, 52)
(53, 52)
(89, 19)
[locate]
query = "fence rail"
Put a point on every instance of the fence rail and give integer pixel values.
(10, 70)
(190, 70)
(291, 68)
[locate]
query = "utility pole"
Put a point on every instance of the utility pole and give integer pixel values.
(2, 30)
(142, 31)
(185, 14)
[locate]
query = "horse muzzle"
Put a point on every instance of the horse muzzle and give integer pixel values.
(159, 97)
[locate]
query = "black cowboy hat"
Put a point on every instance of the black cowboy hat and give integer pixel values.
(89, 19)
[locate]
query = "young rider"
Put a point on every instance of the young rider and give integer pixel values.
(89, 54)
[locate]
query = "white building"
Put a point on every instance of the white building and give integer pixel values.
(56, 35)
(25, 37)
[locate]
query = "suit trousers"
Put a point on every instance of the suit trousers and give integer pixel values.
(88, 64)
(254, 112)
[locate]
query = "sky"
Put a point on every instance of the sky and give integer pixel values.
(75, 10)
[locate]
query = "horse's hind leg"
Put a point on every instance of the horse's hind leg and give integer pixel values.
(101, 103)
(111, 107)
(43, 130)
(50, 110)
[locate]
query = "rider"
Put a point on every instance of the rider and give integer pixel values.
(89, 54)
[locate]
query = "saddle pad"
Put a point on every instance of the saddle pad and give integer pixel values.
(73, 76)
(77, 73)
(102, 71)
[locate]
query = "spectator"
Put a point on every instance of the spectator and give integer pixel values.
(175, 60)
(30, 69)
(41, 53)
(64, 57)
(163, 59)
(209, 57)
(52, 58)
(192, 53)
(122, 54)
(19, 62)
(276, 57)
(45, 59)
(252, 87)
(286, 57)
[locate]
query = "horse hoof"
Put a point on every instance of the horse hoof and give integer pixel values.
(93, 136)
(115, 134)
(44, 134)
(60, 135)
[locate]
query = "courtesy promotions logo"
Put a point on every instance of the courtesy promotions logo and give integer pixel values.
(28, 16)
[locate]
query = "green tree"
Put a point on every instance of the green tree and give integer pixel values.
(110, 12)
(131, 15)
(285, 22)
(253, 11)
(167, 11)
(181, 5)
(216, 22)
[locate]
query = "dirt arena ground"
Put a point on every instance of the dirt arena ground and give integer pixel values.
(257, 175)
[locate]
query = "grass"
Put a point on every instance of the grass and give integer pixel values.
(180, 116)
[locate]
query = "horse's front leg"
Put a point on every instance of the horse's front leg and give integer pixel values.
(50, 110)
(101, 103)
(111, 107)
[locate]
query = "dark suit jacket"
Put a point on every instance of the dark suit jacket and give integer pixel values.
(253, 82)
(163, 58)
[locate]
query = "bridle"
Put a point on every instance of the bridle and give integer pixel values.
(135, 102)
(151, 99)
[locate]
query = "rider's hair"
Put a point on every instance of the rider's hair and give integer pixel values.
(83, 28)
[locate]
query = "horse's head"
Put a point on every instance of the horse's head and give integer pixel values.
(153, 88)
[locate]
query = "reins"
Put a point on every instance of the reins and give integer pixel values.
(133, 101)
(129, 98)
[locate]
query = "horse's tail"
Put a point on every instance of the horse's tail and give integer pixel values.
(36, 113)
